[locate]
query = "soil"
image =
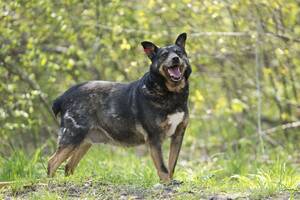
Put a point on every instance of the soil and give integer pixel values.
(97, 190)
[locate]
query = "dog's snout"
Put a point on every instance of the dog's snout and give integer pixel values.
(175, 60)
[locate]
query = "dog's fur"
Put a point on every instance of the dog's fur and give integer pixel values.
(141, 112)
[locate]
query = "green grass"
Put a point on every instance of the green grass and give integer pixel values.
(238, 170)
(20, 165)
(230, 173)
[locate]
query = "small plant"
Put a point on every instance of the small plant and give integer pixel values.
(21, 166)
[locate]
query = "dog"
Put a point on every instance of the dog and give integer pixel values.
(145, 111)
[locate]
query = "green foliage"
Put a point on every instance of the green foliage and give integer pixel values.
(19, 166)
(47, 46)
(124, 168)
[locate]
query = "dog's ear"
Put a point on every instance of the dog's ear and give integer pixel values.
(180, 41)
(187, 73)
(150, 49)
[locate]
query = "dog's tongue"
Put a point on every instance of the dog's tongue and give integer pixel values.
(174, 71)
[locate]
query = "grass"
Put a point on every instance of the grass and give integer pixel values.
(118, 167)
(114, 172)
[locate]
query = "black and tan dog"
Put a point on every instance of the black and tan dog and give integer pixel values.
(141, 112)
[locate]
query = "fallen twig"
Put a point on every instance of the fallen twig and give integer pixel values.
(295, 124)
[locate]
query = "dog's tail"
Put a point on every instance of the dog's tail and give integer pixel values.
(56, 106)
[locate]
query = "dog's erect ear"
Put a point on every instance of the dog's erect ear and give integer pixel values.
(180, 41)
(150, 49)
(187, 73)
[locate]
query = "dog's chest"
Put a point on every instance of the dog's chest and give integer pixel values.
(171, 122)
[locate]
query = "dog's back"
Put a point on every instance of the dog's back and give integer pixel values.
(57, 103)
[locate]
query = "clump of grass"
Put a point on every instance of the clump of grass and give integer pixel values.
(118, 166)
(241, 173)
(46, 195)
(270, 179)
(21, 166)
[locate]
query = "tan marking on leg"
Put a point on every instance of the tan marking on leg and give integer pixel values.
(77, 155)
(62, 154)
(176, 142)
(174, 153)
(156, 155)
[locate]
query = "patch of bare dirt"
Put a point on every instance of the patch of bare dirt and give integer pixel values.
(98, 190)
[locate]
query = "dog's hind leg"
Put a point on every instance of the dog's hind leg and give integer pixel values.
(76, 156)
(62, 154)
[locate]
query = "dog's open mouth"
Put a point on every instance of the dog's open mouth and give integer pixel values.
(174, 73)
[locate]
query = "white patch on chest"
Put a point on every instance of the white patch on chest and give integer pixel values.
(173, 121)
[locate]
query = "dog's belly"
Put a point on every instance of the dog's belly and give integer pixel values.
(98, 136)
(115, 137)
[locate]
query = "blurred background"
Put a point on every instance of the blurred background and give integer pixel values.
(245, 95)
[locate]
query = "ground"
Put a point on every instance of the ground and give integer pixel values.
(89, 189)
(126, 173)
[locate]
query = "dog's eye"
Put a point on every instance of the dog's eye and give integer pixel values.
(178, 52)
(165, 54)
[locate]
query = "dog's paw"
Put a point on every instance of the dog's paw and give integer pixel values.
(175, 182)
(164, 177)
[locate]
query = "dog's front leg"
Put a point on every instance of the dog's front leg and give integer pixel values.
(176, 142)
(157, 157)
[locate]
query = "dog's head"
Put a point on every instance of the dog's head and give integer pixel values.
(170, 62)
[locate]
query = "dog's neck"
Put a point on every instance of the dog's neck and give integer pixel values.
(155, 83)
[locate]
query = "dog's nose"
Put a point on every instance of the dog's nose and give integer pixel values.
(175, 59)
